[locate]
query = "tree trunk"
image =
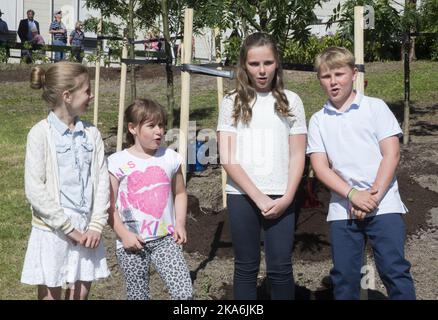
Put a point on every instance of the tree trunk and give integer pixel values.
(412, 55)
(169, 73)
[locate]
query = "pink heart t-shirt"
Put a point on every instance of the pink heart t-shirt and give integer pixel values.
(145, 198)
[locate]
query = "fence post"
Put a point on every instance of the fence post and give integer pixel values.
(358, 45)
(185, 89)
(406, 48)
(122, 98)
(97, 75)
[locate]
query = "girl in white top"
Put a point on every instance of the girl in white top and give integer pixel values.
(262, 138)
(67, 185)
(149, 205)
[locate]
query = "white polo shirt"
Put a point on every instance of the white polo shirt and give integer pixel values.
(351, 141)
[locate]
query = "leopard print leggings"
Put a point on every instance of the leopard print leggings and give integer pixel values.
(168, 260)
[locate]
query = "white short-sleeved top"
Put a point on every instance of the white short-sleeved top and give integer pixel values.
(145, 198)
(262, 146)
(351, 141)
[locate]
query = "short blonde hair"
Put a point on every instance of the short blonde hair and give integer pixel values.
(78, 24)
(334, 57)
(58, 78)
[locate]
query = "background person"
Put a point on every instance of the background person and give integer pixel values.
(76, 40)
(59, 35)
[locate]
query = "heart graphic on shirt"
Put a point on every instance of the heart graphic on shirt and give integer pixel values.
(148, 191)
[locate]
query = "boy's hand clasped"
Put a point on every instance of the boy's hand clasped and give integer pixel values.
(364, 202)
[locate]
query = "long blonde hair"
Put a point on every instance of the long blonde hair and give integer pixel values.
(245, 90)
(59, 77)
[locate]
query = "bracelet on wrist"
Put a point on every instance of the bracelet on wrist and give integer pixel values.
(351, 193)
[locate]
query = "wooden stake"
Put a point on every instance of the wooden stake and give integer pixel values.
(359, 85)
(122, 98)
(97, 76)
(406, 49)
(185, 89)
(358, 45)
(220, 96)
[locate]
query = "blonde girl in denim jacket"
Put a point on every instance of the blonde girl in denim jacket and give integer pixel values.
(67, 186)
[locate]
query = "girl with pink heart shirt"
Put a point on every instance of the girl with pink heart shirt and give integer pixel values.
(149, 205)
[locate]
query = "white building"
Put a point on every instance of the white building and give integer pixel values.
(73, 10)
(323, 14)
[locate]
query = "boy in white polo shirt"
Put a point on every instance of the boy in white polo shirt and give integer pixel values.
(353, 142)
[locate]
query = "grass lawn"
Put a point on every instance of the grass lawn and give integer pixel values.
(21, 107)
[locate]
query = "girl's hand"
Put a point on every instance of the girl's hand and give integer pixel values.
(365, 200)
(264, 203)
(277, 210)
(180, 235)
(75, 236)
(90, 239)
(132, 241)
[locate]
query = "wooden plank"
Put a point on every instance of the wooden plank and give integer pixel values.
(123, 73)
(220, 96)
(97, 79)
(185, 89)
(358, 45)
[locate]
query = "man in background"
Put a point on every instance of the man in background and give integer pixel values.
(25, 32)
(3, 30)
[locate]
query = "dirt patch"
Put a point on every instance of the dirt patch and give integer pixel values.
(209, 231)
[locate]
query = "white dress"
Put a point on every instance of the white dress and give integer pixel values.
(53, 260)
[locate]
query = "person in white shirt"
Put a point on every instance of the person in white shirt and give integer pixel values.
(67, 185)
(354, 150)
(262, 140)
(149, 205)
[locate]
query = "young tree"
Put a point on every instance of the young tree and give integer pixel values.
(392, 21)
(133, 15)
(283, 19)
(142, 15)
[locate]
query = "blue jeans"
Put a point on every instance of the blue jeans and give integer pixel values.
(386, 234)
(246, 222)
(59, 55)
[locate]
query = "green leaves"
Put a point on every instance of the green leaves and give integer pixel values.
(283, 19)
(306, 52)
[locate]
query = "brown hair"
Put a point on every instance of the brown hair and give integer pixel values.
(334, 57)
(59, 77)
(140, 111)
(245, 89)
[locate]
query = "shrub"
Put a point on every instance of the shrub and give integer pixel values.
(296, 53)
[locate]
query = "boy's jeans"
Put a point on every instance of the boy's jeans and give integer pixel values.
(386, 234)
